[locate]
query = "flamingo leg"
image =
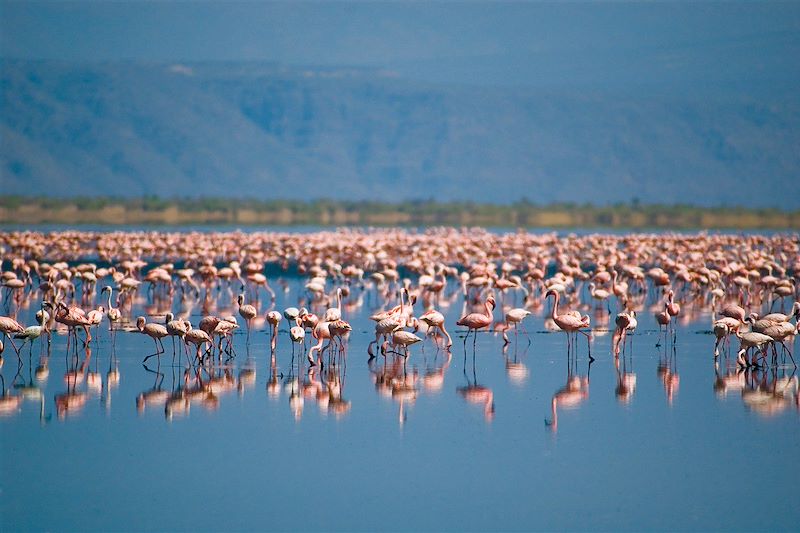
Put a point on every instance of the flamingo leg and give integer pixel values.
(588, 344)
(155, 342)
(449, 340)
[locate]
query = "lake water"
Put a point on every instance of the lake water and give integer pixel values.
(467, 441)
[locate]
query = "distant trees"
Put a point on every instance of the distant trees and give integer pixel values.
(247, 211)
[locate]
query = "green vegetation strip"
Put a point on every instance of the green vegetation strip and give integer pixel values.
(248, 212)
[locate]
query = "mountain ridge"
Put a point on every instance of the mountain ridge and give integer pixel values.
(265, 130)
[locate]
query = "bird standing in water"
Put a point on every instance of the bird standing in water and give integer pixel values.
(476, 321)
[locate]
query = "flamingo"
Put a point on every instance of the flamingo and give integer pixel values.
(95, 317)
(620, 289)
(297, 334)
(748, 340)
(176, 328)
(197, 337)
(516, 316)
(780, 317)
(112, 312)
(663, 319)
(73, 317)
(569, 322)
(401, 338)
(155, 332)
(335, 313)
(274, 318)
(476, 321)
(321, 333)
(338, 329)
(247, 312)
(722, 329)
(673, 309)
(600, 295)
(435, 320)
(780, 332)
(8, 326)
(622, 322)
(734, 311)
(31, 333)
(224, 329)
(291, 313)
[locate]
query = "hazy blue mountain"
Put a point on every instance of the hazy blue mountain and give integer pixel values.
(263, 130)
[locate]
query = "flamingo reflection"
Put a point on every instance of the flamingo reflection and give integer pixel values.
(572, 394)
(475, 393)
(667, 371)
(516, 370)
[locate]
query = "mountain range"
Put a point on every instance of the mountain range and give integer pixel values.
(264, 130)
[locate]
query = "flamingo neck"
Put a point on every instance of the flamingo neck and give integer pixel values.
(554, 310)
(488, 308)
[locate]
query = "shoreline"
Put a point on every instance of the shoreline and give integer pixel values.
(328, 213)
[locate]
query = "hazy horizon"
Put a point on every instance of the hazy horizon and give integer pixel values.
(585, 94)
(516, 44)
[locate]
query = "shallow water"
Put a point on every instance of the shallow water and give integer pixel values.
(461, 442)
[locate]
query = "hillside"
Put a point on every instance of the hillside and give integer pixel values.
(266, 131)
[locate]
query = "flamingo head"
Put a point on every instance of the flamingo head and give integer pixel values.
(169, 317)
(550, 292)
(140, 323)
(490, 301)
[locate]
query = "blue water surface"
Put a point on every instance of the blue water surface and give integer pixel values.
(465, 441)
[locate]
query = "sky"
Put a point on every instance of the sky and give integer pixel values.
(752, 46)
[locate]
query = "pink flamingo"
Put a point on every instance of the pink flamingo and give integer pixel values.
(569, 322)
(663, 319)
(274, 318)
(435, 320)
(198, 337)
(622, 321)
(8, 326)
(321, 333)
(155, 332)
(476, 321)
(673, 309)
(247, 312)
(73, 317)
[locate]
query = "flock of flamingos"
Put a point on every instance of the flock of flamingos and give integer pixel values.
(203, 292)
